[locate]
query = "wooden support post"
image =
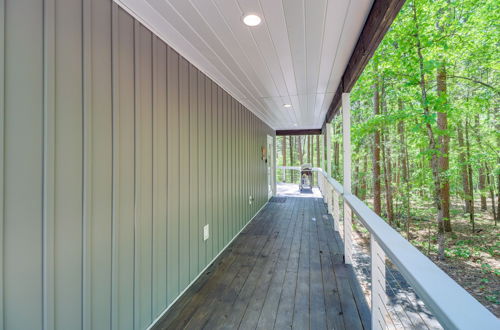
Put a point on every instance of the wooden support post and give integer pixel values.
(346, 139)
(379, 296)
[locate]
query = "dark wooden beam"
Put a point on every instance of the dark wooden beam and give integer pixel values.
(298, 132)
(335, 105)
(382, 14)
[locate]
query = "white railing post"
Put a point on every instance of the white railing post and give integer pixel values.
(346, 139)
(379, 296)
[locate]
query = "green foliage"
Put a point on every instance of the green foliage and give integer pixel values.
(463, 36)
(493, 299)
(461, 252)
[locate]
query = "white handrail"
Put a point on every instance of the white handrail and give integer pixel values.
(454, 307)
(337, 186)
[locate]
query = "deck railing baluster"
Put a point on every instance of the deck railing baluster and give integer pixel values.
(379, 296)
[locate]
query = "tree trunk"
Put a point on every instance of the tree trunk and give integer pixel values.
(387, 180)
(443, 140)
(291, 159)
(336, 151)
(318, 160)
(386, 161)
(491, 187)
(390, 192)
(363, 180)
(498, 175)
(299, 148)
(377, 203)
(482, 188)
(309, 154)
(469, 174)
(482, 176)
(498, 198)
(463, 167)
(432, 140)
(283, 153)
(405, 172)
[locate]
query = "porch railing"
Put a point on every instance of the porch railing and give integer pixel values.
(451, 305)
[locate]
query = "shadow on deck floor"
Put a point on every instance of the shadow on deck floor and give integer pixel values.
(284, 270)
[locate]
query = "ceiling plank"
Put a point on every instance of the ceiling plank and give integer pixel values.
(382, 14)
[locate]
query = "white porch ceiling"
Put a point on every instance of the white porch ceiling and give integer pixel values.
(297, 55)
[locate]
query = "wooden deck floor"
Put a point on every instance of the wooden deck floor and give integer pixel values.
(284, 270)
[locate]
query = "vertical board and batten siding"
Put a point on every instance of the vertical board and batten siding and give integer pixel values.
(115, 152)
(23, 163)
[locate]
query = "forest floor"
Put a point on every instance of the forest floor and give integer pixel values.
(472, 259)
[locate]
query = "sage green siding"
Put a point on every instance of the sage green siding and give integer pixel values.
(114, 153)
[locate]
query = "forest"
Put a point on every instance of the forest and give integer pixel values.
(426, 138)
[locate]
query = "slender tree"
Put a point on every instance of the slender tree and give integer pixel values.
(443, 140)
(377, 203)
(291, 158)
(469, 175)
(430, 135)
(299, 149)
(336, 149)
(386, 160)
(491, 187)
(481, 174)
(404, 168)
(318, 160)
(364, 185)
(283, 155)
(464, 169)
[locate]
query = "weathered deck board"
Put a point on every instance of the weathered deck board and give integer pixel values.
(283, 271)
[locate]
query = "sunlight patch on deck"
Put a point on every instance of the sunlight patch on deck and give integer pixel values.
(292, 190)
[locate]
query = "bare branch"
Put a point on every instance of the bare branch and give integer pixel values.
(475, 81)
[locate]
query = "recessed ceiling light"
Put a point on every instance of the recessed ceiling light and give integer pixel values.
(287, 105)
(252, 20)
(295, 125)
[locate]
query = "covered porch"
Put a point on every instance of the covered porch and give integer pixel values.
(284, 270)
(138, 170)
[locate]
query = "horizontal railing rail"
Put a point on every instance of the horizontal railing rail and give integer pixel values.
(452, 305)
